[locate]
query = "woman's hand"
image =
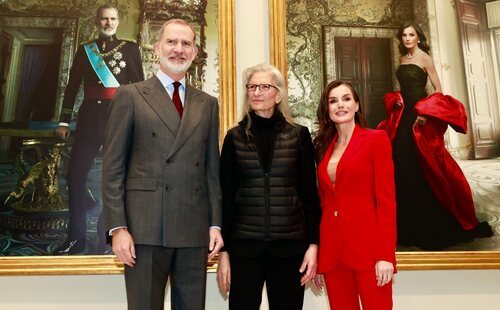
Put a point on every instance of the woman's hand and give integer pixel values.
(318, 282)
(224, 272)
(309, 264)
(384, 271)
(420, 120)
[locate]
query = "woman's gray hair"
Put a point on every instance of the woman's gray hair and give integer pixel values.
(278, 81)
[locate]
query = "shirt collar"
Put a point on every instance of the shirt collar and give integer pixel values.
(166, 80)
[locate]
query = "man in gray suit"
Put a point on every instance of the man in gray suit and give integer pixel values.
(161, 179)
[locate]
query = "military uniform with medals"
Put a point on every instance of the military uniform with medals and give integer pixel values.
(124, 61)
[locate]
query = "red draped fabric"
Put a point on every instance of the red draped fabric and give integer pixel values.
(394, 107)
(440, 169)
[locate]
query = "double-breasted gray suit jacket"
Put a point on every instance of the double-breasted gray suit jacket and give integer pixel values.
(161, 173)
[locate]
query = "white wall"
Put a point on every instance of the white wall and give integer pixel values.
(448, 57)
(413, 290)
(252, 38)
(447, 290)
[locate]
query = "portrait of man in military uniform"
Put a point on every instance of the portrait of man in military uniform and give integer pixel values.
(51, 159)
(102, 65)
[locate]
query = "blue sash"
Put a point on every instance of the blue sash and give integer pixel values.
(101, 69)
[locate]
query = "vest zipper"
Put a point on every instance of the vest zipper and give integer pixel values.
(267, 202)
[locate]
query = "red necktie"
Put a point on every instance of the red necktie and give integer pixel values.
(176, 98)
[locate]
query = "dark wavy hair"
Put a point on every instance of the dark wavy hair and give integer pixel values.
(421, 37)
(326, 127)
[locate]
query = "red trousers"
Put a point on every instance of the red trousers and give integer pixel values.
(346, 287)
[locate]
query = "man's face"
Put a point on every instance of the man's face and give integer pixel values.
(176, 50)
(108, 22)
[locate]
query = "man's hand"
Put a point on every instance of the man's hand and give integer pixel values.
(224, 272)
(216, 242)
(123, 246)
(62, 132)
(309, 264)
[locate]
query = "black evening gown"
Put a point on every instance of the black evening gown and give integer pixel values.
(421, 221)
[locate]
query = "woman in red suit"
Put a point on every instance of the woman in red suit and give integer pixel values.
(356, 188)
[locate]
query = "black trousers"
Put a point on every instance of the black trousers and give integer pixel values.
(89, 138)
(281, 275)
(83, 154)
(146, 281)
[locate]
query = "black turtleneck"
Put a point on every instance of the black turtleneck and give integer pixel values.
(264, 132)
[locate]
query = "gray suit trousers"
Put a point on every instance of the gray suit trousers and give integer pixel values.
(146, 281)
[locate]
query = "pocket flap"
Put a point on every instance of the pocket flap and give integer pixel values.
(145, 184)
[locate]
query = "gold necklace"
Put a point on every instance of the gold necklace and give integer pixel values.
(98, 53)
(113, 63)
(409, 56)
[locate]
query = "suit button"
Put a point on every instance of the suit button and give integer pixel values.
(167, 188)
(99, 82)
(169, 161)
(197, 164)
(336, 213)
(99, 101)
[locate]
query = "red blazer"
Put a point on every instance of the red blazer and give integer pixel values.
(358, 224)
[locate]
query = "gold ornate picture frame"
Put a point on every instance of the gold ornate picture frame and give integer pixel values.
(406, 260)
(108, 264)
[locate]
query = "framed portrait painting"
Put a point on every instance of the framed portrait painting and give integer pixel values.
(38, 44)
(316, 42)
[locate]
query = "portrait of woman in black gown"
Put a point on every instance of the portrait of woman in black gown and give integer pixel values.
(423, 221)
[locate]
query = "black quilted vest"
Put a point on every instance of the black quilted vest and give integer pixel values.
(267, 206)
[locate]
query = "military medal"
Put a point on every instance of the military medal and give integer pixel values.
(116, 63)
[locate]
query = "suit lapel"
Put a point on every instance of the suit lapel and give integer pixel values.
(157, 98)
(323, 167)
(193, 112)
(357, 140)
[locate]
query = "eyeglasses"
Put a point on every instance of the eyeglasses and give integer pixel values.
(264, 88)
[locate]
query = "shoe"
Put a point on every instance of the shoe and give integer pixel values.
(483, 230)
(70, 247)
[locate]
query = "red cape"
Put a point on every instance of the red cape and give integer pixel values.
(440, 169)
(394, 109)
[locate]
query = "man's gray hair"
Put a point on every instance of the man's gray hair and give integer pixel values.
(104, 7)
(179, 22)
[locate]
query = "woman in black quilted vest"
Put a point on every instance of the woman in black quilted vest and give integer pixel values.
(270, 203)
